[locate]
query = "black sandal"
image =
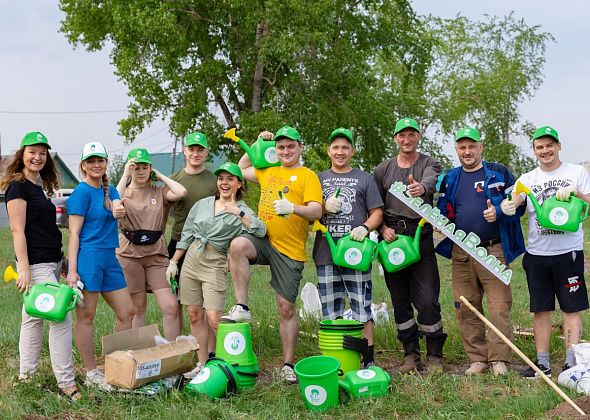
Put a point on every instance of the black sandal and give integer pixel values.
(73, 394)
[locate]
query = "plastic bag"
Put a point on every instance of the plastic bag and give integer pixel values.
(378, 313)
(312, 305)
(577, 378)
(581, 353)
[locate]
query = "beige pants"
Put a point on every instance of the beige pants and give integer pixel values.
(60, 335)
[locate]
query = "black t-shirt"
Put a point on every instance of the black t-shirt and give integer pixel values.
(42, 234)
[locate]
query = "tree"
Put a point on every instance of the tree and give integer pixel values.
(116, 169)
(315, 64)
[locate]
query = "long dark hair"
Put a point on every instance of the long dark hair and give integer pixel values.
(14, 172)
(107, 203)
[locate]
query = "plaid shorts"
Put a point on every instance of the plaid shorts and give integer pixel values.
(334, 281)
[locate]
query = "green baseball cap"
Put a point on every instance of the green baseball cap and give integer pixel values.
(140, 156)
(546, 131)
(468, 133)
(94, 148)
(288, 132)
(196, 139)
(341, 132)
(34, 137)
(405, 123)
(232, 168)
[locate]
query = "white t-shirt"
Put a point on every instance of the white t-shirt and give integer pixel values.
(543, 185)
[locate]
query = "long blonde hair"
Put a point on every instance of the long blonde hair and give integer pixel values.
(14, 172)
(107, 203)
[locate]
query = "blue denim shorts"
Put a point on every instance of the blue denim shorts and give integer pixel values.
(100, 270)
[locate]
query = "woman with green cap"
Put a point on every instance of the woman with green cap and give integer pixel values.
(29, 180)
(211, 225)
(142, 251)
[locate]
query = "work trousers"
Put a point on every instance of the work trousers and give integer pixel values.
(472, 280)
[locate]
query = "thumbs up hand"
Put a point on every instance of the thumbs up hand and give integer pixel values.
(415, 188)
(332, 204)
(119, 209)
(490, 213)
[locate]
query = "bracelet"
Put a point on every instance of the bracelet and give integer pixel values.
(366, 227)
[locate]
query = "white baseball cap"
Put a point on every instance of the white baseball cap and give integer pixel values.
(94, 148)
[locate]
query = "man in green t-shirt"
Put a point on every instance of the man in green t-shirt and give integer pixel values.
(199, 183)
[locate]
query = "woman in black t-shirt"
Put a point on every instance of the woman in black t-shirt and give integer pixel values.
(29, 178)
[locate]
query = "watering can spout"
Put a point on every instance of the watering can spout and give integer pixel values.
(521, 188)
(318, 226)
(10, 274)
(416, 243)
(231, 134)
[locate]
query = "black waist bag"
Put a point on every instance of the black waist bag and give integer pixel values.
(142, 237)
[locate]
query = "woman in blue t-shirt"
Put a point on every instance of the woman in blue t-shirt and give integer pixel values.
(29, 179)
(94, 208)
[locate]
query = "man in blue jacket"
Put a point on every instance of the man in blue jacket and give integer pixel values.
(470, 197)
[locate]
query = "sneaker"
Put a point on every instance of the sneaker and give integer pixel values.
(288, 375)
(566, 366)
(237, 314)
(476, 368)
(194, 372)
(499, 368)
(96, 378)
(25, 378)
(531, 373)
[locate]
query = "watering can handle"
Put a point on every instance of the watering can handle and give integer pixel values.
(73, 302)
(585, 210)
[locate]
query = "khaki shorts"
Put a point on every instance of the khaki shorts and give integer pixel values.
(145, 273)
(203, 280)
(285, 273)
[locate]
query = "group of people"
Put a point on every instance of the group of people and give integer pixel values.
(117, 247)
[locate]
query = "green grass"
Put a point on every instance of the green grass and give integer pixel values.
(448, 396)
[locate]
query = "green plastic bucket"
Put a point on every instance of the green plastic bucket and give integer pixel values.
(246, 375)
(234, 344)
(318, 381)
(215, 380)
(349, 359)
(340, 324)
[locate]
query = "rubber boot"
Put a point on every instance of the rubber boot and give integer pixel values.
(412, 360)
(434, 353)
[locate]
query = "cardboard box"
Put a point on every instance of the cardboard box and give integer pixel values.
(133, 358)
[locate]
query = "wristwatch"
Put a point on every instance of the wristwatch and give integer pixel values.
(242, 213)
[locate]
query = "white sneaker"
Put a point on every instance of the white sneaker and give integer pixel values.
(96, 378)
(194, 372)
(237, 314)
(499, 368)
(288, 375)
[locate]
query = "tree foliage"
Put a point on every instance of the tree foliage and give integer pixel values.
(316, 65)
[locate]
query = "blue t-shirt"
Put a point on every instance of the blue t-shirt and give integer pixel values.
(100, 227)
(470, 203)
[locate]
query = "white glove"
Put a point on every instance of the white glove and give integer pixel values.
(78, 289)
(283, 207)
(563, 194)
(172, 270)
(508, 207)
(359, 233)
(333, 205)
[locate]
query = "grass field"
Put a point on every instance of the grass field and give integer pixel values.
(451, 395)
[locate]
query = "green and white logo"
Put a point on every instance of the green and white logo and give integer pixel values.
(366, 374)
(234, 343)
(315, 394)
(559, 216)
(396, 256)
(353, 256)
(270, 155)
(202, 376)
(45, 302)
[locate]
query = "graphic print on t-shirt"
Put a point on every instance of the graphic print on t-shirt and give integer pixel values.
(339, 224)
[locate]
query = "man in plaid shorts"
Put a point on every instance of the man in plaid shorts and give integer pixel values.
(352, 205)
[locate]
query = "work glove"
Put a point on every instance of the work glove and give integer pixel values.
(563, 194)
(283, 207)
(333, 205)
(171, 271)
(78, 289)
(508, 207)
(359, 233)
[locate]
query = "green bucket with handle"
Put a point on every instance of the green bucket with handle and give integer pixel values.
(318, 381)
(216, 379)
(234, 344)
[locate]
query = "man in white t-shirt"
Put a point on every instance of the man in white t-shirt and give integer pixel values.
(554, 261)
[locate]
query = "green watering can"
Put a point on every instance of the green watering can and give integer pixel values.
(554, 214)
(370, 382)
(262, 153)
(402, 252)
(50, 301)
(347, 252)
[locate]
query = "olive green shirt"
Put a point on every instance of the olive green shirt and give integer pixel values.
(197, 187)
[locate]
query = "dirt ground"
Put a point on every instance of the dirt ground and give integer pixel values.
(566, 411)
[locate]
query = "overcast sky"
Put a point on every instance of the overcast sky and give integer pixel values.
(41, 72)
